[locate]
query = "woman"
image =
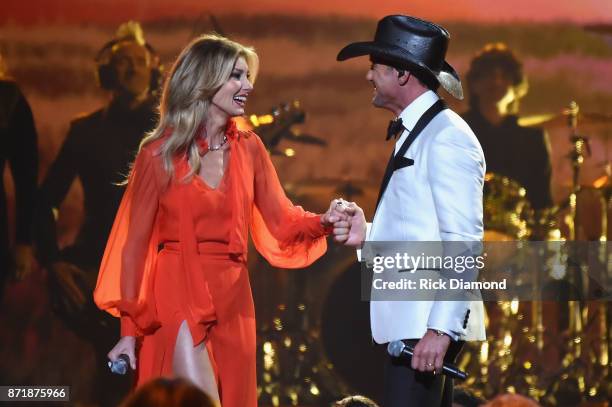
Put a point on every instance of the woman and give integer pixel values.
(174, 268)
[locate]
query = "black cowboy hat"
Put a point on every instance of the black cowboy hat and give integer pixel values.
(416, 45)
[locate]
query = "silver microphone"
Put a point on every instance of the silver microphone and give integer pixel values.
(120, 366)
(399, 349)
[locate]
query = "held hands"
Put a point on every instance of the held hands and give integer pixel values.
(429, 352)
(126, 345)
(348, 222)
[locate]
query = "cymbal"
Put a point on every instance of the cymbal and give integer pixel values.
(560, 119)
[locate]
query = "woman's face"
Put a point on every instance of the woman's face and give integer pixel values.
(231, 98)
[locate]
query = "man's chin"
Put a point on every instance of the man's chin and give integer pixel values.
(377, 103)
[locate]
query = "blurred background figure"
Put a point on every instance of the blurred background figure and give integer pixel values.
(162, 392)
(355, 401)
(496, 83)
(19, 148)
(97, 150)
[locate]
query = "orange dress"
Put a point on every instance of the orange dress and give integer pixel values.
(177, 252)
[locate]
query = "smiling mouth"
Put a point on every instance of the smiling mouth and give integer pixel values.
(240, 100)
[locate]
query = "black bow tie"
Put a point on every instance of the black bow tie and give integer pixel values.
(396, 127)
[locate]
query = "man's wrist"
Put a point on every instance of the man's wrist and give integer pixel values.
(439, 333)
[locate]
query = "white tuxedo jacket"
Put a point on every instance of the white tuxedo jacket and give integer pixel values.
(438, 198)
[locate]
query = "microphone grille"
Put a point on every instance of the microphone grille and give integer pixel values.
(395, 348)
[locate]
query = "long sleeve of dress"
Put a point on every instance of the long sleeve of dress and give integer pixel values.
(131, 251)
(285, 234)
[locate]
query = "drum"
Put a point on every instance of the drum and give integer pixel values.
(506, 209)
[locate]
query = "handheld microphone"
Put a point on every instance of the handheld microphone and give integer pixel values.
(120, 366)
(399, 349)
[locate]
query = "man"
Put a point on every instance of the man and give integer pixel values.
(496, 83)
(19, 149)
(98, 151)
(432, 191)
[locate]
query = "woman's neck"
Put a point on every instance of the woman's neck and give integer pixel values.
(214, 126)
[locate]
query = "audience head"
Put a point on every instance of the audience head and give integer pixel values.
(355, 401)
(164, 392)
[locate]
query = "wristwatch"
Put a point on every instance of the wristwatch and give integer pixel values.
(438, 332)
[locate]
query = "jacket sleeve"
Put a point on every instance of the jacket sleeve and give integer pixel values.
(285, 234)
(456, 169)
(52, 193)
(123, 282)
(23, 159)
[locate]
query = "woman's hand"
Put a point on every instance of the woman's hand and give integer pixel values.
(126, 345)
(333, 214)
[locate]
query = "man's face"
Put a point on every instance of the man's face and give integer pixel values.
(132, 65)
(495, 88)
(386, 87)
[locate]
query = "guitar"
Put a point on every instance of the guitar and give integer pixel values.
(277, 125)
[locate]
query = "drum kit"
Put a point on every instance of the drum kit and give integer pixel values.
(314, 340)
(556, 352)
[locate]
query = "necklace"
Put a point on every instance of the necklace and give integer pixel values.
(218, 146)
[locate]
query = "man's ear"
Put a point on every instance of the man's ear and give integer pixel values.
(403, 77)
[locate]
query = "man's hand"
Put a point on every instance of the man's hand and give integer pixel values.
(24, 261)
(352, 230)
(66, 274)
(429, 352)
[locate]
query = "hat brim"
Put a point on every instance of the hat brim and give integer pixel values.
(447, 77)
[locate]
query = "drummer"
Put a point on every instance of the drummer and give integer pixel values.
(496, 83)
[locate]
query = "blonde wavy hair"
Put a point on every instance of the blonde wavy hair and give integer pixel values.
(198, 73)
